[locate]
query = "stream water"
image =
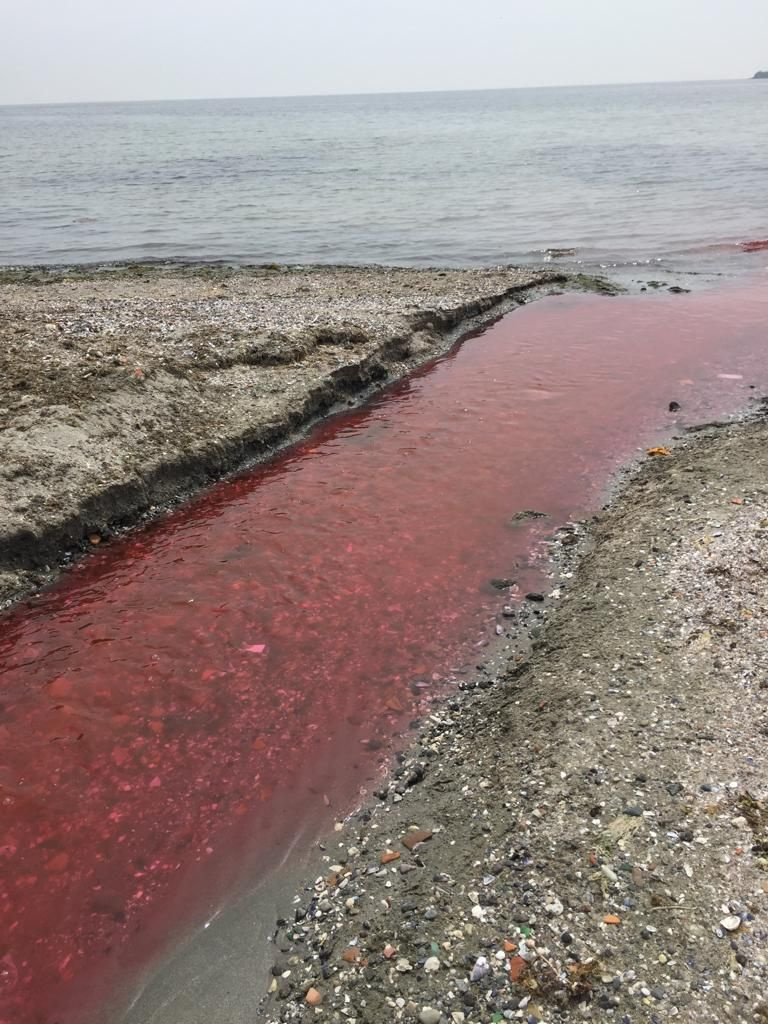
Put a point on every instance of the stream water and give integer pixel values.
(199, 697)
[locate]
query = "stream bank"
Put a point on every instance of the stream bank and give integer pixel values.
(180, 689)
(124, 389)
(584, 833)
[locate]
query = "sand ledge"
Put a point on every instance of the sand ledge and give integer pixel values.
(124, 390)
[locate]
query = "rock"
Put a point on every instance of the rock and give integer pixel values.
(429, 1015)
(554, 907)
(412, 839)
(431, 964)
(760, 74)
(538, 598)
(480, 969)
(313, 997)
(731, 923)
(501, 582)
(518, 965)
(528, 513)
(388, 856)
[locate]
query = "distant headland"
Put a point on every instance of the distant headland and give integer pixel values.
(760, 74)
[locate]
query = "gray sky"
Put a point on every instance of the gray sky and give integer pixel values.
(75, 50)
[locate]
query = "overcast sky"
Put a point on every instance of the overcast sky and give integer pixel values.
(76, 50)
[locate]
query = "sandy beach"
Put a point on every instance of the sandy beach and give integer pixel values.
(580, 831)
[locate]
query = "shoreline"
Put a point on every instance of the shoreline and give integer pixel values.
(127, 391)
(587, 835)
(592, 803)
(502, 728)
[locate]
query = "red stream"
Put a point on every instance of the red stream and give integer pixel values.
(176, 710)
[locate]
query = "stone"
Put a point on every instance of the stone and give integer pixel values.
(429, 1015)
(313, 997)
(480, 969)
(431, 964)
(731, 923)
(412, 839)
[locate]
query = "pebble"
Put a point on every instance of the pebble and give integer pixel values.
(313, 997)
(429, 1015)
(431, 964)
(554, 907)
(731, 923)
(480, 969)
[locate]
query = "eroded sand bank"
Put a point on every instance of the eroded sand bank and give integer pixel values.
(125, 389)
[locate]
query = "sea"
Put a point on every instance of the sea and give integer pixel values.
(674, 175)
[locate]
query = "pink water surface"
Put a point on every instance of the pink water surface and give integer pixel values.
(191, 699)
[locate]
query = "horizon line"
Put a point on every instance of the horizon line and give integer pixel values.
(385, 92)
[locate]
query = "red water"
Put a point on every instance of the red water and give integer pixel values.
(190, 700)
